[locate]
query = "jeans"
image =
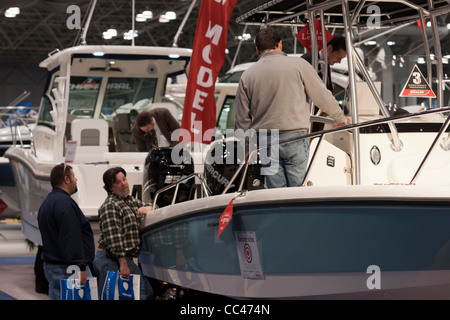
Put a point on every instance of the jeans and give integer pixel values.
(102, 264)
(284, 165)
(54, 273)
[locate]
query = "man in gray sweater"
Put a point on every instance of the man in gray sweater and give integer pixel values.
(272, 95)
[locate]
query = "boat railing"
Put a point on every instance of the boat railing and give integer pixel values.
(10, 113)
(11, 117)
(176, 185)
(321, 134)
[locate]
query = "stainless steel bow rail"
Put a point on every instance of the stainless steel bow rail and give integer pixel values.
(175, 185)
(16, 120)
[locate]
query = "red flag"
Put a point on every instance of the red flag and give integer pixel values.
(304, 36)
(199, 113)
(420, 25)
(225, 218)
(3, 206)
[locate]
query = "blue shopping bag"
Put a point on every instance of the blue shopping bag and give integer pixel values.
(117, 288)
(72, 290)
(88, 291)
(129, 288)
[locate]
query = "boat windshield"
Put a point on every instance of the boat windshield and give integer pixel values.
(110, 95)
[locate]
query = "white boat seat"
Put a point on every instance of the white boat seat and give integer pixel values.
(90, 132)
(367, 105)
(92, 138)
(435, 172)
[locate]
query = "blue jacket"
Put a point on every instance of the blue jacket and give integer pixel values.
(67, 235)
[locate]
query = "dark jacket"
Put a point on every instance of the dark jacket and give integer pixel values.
(166, 123)
(67, 235)
(308, 57)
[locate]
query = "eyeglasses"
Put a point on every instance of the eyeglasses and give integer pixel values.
(64, 170)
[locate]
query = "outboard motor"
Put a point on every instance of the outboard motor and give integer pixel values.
(221, 164)
(161, 171)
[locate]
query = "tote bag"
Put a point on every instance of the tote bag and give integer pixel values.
(117, 288)
(72, 290)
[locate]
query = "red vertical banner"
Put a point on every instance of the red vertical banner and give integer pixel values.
(208, 55)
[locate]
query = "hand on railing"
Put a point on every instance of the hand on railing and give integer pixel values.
(338, 124)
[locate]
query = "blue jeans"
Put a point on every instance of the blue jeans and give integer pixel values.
(284, 165)
(54, 273)
(102, 264)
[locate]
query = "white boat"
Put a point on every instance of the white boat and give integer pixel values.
(92, 95)
(369, 222)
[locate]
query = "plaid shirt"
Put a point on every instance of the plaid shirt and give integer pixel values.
(119, 225)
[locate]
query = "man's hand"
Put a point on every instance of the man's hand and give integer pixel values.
(123, 269)
(83, 277)
(142, 211)
(338, 124)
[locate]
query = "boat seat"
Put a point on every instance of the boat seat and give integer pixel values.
(92, 138)
(435, 172)
(367, 105)
(122, 132)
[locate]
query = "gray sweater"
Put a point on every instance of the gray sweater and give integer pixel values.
(272, 94)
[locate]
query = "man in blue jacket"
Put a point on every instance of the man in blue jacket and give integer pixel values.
(67, 235)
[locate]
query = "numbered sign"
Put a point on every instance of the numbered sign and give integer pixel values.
(417, 86)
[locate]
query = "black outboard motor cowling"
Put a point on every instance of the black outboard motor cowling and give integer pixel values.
(162, 171)
(221, 164)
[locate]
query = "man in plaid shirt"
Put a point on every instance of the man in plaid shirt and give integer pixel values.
(119, 240)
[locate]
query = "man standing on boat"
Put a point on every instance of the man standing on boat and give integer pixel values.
(67, 235)
(272, 95)
(336, 51)
(154, 129)
(119, 241)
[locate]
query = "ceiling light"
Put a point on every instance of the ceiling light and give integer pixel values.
(109, 34)
(174, 56)
(112, 32)
(12, 12)
(140, 17)
(421, 60)
(147, 14)
(370, 43)
(99, 54)
(171, 15)
(391, 43)
(163, 19)
(129, 35)
(106, 35)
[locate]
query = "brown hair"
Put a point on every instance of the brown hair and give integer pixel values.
(143, 119)
(267, 39)
(110, 176)
(58, 173)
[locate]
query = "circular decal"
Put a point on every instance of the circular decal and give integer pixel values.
(248, 253)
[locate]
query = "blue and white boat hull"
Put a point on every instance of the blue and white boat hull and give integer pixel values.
(316, 242)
